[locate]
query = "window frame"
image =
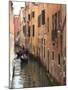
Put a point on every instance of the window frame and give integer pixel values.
(43, 16)
(33, 29)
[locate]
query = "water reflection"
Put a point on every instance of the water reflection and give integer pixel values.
(17, 82)
(31, 74)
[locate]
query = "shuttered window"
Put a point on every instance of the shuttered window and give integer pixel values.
(33, 30)
(43, 17)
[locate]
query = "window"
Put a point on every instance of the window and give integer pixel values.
(52, 22)
(24, 29)
(54, 26)
(44, 42)
(44, 51)
(28, 16)
(55, 21)
(54, 35)
(48, 60)
(33, 30)
(44, 48)
(58, 58)
(43, 17)
(61, 42)
(33, 14)
(24, 19)
(52, 55)
(48, 54)
(39, 20)
(59, 19)
(29, 31)
(48, 23)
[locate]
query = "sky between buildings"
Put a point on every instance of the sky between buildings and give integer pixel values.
(17, 6)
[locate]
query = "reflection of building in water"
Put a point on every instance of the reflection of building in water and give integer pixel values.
(11, 27)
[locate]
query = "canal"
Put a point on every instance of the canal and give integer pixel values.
(29, 74)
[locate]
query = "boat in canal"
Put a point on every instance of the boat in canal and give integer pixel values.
(24, 58)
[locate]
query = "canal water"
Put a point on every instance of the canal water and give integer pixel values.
(30, 74)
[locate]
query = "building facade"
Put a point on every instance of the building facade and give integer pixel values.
(22, 27)
(51, 25)
(16, 26)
